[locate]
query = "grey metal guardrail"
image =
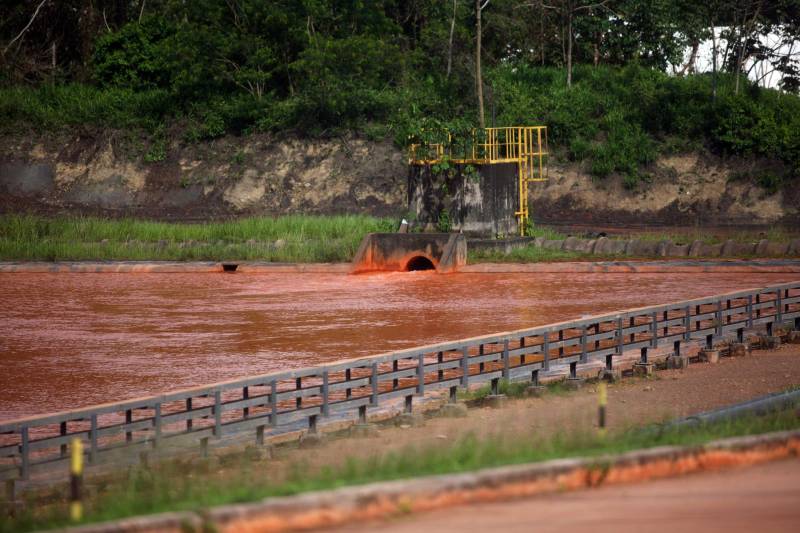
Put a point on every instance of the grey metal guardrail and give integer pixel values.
(258, 403)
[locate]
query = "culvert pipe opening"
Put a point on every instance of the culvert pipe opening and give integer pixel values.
(419, 263)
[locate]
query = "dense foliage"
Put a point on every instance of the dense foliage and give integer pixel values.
(594, 72)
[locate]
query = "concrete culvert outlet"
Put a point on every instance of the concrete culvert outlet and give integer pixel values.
(229, 267)
(419, 263)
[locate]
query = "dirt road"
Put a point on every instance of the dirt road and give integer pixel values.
(762, 498)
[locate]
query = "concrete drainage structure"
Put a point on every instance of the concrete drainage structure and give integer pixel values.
(403, 252)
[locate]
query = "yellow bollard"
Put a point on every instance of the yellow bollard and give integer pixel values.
(602, 401)
(76, 478)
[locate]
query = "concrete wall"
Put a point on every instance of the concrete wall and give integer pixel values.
(482, 205)
(643, 248)
(393, 251)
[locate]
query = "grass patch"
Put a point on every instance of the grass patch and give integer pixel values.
(528, 254)
(294, 238)
(172, 487)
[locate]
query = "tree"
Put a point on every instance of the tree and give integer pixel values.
(479, 7)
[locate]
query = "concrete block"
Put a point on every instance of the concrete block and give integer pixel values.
(574, 383)
(414, 420)
(453, 410)
(770, 342)
(740, 349)
(571, 244)
(793, 337)
(495, 401)
(695, 249)
(258, 453)
(311, 440)
(678, 250)
(617, 247)
(535, 391)
(662, 249)
(585, 245)
(612, 376)
(761, 247)
(777, 249)
(644, 369)
(555, 244)
(794, 247)
(678, 362)
(641, 248)
(363, 430)
(709, 356)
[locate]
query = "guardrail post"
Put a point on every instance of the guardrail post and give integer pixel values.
(348, 375)
(769, 329)
(643, 355)
(395, 368)
(374, 381)
(758, 301)
(546, 350)
(560, 340)
(506, 362)
(421, 374)
(273, 402)
(260, 435)
(584, 355)
(779, 308)
(453, 396)
(26, 453)
(597, 332)
(93, 439)
(189, 421)
(740, 335)
(362, 414)
(495, 386)
(665, 333)
(312, 424)
(245, 396)
(62, 430)
(157, 424)
(409, 405)
(465, 367)
(325, 393)
(440, 360)
(728, 308)
(718, 319)
(573, 370)
(654, 331)
(709, 342)
(687, 324)
(676, 348)
(697, 314)
(749, 310)
(522, 355)
(218, 414)
(298, 385)
(481, 365)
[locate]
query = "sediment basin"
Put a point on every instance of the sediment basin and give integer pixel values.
(70, 340)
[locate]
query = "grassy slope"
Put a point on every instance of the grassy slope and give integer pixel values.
(174, 487)
(290, 238)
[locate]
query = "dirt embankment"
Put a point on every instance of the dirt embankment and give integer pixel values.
(122, 173)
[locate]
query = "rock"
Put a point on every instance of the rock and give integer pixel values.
(574, 383)
(740, 349)
(709, 356)
(643, 369)
(280, 243)
(535, 391)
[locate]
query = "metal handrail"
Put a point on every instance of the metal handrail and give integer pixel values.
(354, 385)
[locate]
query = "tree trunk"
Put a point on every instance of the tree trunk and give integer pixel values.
(478, 75)
(450, 45)
(713, 62)
(569, 47)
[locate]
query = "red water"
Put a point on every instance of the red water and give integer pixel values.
(69, 340)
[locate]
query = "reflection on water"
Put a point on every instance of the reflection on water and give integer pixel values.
(68, 340)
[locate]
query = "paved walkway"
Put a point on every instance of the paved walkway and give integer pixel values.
(763, 498)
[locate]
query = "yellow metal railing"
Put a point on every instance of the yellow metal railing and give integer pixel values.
(524, 145)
